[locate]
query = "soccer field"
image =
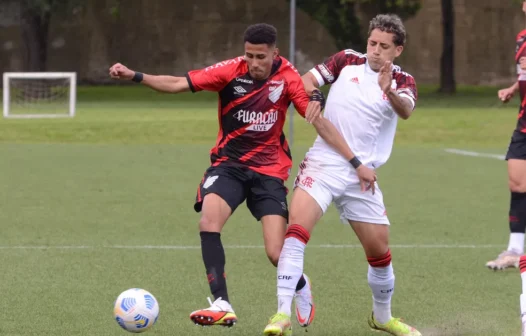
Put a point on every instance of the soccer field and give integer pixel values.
(96, 204)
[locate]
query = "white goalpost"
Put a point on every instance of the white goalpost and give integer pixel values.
(39, 94)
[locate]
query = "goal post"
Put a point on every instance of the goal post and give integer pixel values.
(39, 94)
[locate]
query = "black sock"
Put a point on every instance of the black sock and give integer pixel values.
(214, 259)
(518, 213)
(301, 283)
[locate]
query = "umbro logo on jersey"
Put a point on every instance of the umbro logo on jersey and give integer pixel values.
(239, 90)
(355, 80)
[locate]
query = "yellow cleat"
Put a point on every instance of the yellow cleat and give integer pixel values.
(394, 327)
(278, 325)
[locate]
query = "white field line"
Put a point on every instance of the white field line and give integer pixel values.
(475, 154)
(239, 247)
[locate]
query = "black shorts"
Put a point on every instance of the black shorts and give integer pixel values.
(517, 148)
(265, 195)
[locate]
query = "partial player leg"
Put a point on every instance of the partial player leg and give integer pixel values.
(267, 200)
(522, 266)
(367, 215)
(314, 189)
(274, 229)
(374, 239)
(214, 215)
(517, 214)
(517, 217)
(304, 214)
(219, 201)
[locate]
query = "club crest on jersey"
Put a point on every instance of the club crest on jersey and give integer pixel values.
(260, 121)
(275, 92)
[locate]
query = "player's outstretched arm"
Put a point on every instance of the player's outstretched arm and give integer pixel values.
(506, 94)
(310, 106)
(168, 84)
(332, 136)
(310, 83)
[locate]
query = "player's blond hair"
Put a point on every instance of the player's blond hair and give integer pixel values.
(389, 23)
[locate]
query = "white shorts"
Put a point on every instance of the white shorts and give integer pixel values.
(337, 183)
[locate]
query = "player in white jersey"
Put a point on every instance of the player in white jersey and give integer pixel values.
(367, 96)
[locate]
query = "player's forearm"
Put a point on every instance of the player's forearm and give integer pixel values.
(168, 84)
(332, 136)
(402, 106)
(515, 86)
(310, 83)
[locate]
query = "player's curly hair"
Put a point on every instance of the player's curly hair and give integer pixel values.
(390, 23)
(261, 33)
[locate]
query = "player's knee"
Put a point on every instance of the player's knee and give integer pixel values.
(296, 216)
(306, 220)
(304, 210)
(379, 259)
(517, 186)
(210, 224)
(273, 250)
(273, 256)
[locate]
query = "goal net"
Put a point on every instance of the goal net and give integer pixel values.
(39, 94)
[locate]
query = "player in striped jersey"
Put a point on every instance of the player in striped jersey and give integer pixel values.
(516, 157)
(251, 159)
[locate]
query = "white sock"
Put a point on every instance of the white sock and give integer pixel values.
(523, 305)
(290, 269)
(523, 277)
(382, 281)
(516, 243)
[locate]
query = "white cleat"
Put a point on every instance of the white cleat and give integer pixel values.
(505, 260)
(219, 313)
(305, 308)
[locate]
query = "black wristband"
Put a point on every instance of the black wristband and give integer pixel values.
(317, 95)
(137, 78)
(355, 162)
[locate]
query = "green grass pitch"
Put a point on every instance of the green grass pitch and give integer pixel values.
(96, 204)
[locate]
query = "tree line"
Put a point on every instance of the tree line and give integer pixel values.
(339, 17)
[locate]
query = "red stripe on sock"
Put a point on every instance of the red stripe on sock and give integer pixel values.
(522, 264)
(299, 232)
(382, 261)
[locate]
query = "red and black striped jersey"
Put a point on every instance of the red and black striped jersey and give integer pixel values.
(520, 51)
(252, 113)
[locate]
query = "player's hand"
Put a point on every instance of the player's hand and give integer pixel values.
(367, 178)
(119, 71)
(313, 111)
(385, 77)
(506, 94)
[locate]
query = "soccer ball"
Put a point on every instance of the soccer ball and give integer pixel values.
(136, 310)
